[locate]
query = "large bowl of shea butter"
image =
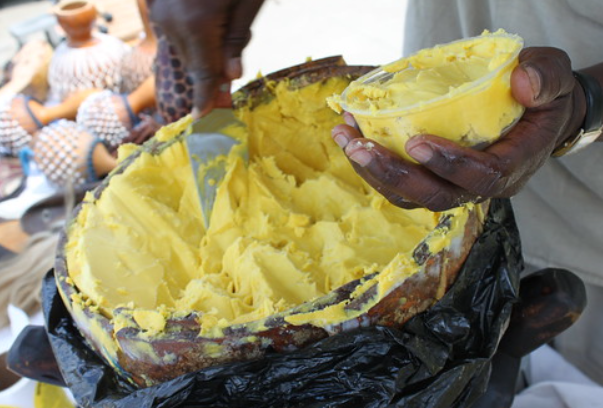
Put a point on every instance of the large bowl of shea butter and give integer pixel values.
(299, 247)
(460, 91)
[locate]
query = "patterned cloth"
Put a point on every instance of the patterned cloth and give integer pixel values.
(174, 87)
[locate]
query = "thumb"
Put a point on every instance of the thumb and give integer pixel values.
(204, 91)
(238, 35)
(205, 66)
(543, 74)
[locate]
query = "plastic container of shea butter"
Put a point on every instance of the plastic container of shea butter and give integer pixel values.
(460, 91)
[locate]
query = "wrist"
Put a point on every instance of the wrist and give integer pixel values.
(587, 123)
(576, 120)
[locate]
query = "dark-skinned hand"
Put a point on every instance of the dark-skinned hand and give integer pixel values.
(210, 36)
(449, 175)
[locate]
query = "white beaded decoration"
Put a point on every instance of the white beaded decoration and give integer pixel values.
(62, 151)
(105, 115)
(95, 67)
(137, 66)
(13, 137)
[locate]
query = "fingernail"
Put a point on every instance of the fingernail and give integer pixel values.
(534, 78)
(195, 113)
(341, 140)
(234, 68)
(349, 119)
(421, 152)
(359, 155)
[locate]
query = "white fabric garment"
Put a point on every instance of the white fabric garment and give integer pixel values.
(21, 394)
(560, 211)
(557, 384)
(37, 188)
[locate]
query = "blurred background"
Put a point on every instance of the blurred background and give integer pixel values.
(363, 34)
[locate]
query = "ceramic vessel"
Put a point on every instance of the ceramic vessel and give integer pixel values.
(86, 59)
(21, 117)
(111, 116)
(17, 124)
(138, 62)
(69, 155)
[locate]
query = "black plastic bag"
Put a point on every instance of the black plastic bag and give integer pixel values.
(440, 358)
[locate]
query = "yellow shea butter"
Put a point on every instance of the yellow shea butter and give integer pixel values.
(460, 91)
(290, 226)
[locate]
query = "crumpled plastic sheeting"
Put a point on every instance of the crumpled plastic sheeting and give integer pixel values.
(440, 358)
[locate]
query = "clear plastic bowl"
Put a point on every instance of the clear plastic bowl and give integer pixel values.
(474, 114)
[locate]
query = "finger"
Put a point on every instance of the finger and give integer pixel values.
(498, 171)
(478, 172)
(543, 74)
(343, 134)
(224, 97)
(350, 120)
(205, 89)
(205, 68)
(404, 184)
(238, 34)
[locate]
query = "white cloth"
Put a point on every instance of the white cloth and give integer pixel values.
(21, 394)
(37, 188)
(557, 384)
(560, 211)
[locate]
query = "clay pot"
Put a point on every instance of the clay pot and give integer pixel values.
(69, 155)
(77, 19)
(87, 60)
(138, 63)
(18, 123)
(21, 117)
(111, 116)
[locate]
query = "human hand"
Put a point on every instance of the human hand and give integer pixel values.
(143, 131)
(210, 36)
(449, 175)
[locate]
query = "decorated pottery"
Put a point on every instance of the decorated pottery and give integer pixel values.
(111, 117)
(69, 155)
(17, 123)
(21, 117)
(86, 60)
(137, 64)
(108, 116)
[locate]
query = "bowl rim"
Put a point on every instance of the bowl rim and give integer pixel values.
(435, 102)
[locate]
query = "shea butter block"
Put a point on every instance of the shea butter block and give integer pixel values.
(460, 91)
